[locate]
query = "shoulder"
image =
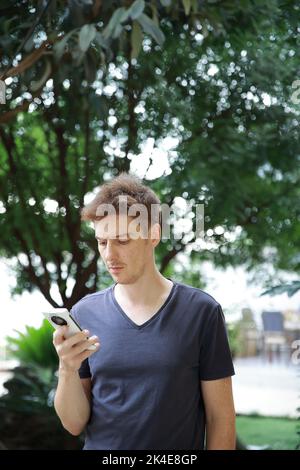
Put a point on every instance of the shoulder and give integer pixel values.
(90, 300)
(202, 306)
(197, 296)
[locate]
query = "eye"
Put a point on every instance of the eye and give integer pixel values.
(101, 243)
(123, 242)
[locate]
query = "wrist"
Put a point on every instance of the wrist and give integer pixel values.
(64, 369)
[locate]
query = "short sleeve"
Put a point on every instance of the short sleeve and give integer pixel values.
(215, 356)
(84, 370)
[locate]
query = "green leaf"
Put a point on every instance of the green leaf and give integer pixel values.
(29, 45)
(34, 346)
(39, 83)
(136, 39)
(86, 36)
(194, 4)
(99, 39)
(117, 31)
(187, 6)
(136, 9)
(151, 28)
(59, 47)
(120, 15)
(77, 56)
(289, 289)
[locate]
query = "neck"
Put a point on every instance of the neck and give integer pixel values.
(149, 286)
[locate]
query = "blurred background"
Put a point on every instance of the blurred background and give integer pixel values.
(200, 99)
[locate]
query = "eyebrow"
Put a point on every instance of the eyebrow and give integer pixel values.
(117, 236)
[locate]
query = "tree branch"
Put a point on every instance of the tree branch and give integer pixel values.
(87, 155)
(38, 281)
(169, 256)
(9, 145)
(80, 289)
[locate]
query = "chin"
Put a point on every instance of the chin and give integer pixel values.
(124, 281)
(129, 280)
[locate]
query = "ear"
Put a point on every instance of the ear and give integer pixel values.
(155, 234)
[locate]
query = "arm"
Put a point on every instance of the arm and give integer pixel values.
(71, 401)
(220, 414)
(73, 395)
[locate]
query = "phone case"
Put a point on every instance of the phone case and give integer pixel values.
(60, 317)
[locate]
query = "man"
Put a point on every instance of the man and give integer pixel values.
(161, 375)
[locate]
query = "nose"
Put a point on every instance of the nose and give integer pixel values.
(110, 252)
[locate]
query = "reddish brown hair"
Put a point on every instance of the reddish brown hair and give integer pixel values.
(123, 185)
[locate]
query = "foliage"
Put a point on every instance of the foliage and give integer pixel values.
(290, 289)
(219, 86)
(233, 330)
(30, 390)
(27, 416)
(34, 347)
(88, 34)
(275, 433)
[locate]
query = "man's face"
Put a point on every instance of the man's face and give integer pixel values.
(121, 246)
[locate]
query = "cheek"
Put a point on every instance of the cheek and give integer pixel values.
(139, 254)
(129, 256)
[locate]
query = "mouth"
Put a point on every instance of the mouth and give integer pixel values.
(115, 269)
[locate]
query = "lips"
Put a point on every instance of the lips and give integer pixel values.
(115, 269)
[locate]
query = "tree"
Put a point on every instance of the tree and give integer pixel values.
(97, 80)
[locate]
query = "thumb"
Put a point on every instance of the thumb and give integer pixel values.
(58, 335)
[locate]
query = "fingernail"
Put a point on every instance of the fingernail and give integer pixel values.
(86, 331)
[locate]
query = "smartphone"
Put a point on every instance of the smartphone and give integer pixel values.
(60, 317)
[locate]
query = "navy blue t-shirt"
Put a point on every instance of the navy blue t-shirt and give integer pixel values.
(146, 378)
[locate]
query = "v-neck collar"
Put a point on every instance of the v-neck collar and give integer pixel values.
(132, 323)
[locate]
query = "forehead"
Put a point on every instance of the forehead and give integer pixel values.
(118, 226)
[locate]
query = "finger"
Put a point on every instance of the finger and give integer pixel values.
(58, 335)
(77, 338)
(87, 353)
(82, 346)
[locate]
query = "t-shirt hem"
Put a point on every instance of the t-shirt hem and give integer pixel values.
(222, 375)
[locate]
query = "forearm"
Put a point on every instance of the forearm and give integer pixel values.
(220, 434)
(71, 403)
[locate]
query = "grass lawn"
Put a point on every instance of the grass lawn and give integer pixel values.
(278, 433)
